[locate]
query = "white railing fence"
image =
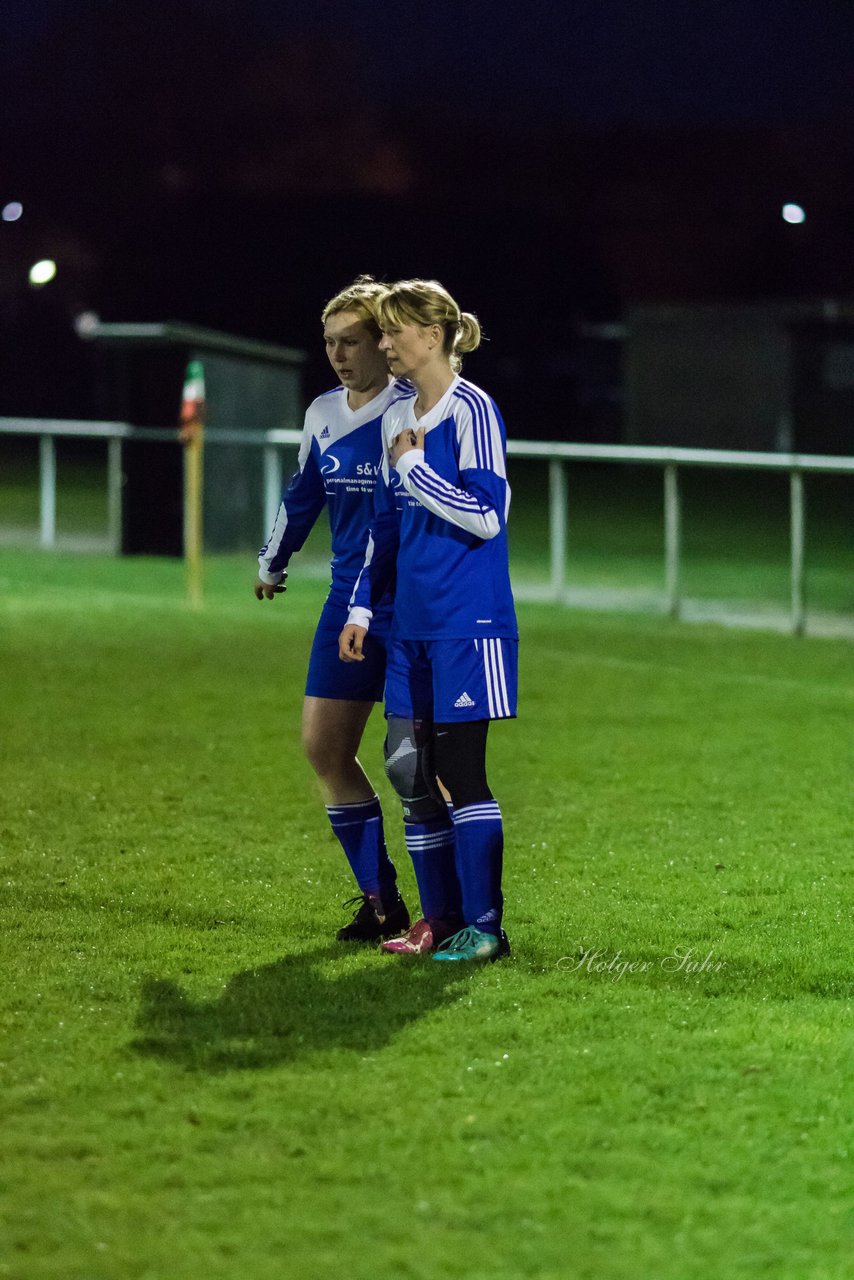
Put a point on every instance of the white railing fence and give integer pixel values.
(556, 455)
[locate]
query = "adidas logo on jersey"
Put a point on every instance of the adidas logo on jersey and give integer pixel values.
(464, 701)
(324, 435)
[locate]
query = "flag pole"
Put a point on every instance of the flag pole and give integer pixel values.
(192, 436)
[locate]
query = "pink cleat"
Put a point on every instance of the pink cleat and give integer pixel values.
(424, 935)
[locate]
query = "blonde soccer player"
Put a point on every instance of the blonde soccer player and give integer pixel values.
(441, 527)
(339, 457)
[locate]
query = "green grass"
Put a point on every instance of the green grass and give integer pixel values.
(735, 526)
(735, 532)
(197, 1082)
(81, 491)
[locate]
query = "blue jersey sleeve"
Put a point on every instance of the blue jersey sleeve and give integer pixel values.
(302, 502)
(479, 502)
(376, 579)
(474, 507)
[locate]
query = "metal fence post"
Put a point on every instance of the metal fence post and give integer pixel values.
(672, 541)
(557, 525)
(558, 454)
(272, 486)
(115, 481)
(47, 490)
(796, 510)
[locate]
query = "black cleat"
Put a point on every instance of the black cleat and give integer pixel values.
(372, 921)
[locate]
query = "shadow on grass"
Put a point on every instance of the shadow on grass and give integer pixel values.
(287, 1010)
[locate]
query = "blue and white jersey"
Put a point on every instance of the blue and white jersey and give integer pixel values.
(443, 516)
(339, 458)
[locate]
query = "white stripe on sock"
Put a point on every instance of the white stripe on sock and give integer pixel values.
(426, 842)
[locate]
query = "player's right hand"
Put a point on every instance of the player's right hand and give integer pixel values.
(351, 643)
(266, 590)
(408, 439)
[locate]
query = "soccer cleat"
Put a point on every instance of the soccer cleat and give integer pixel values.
(424, 935)
(371, 921)
(473, 944)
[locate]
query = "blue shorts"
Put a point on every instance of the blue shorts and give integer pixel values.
(329, 677)
(452, 680)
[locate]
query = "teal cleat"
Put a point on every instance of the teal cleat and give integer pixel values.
(473, 944)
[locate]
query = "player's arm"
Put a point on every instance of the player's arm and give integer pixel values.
(479, 504)
(376, 577)
(302, 502)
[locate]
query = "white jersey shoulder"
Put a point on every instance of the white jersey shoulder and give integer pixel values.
(475, 421)
(399, 412)
(329, 417)
(478, 429)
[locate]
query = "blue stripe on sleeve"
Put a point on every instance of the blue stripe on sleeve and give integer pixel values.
(482, 434)
(452, 497)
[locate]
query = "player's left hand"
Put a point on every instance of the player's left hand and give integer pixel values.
(407, 440)
(351, 643)
(266, 590)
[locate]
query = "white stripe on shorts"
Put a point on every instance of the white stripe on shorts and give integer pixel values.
(502, 677)
(496, 681)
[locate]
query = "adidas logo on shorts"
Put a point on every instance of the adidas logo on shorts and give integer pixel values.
(464, 701)
(324, 435)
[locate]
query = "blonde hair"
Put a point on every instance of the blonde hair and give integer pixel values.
(361, 297)
(427, 302)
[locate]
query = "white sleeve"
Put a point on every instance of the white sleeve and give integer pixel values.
(467, 508)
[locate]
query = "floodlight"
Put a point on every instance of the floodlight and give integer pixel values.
(43, 271)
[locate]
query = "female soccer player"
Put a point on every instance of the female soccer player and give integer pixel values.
(442, 504)
(339, 457)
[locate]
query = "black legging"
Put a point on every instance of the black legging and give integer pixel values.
(459, 758)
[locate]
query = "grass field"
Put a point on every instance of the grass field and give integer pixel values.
(198, 1083)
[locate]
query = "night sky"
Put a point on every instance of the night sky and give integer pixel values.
(584, 61)
(234, 163)
(607, 61)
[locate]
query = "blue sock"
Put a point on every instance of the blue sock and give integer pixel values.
(480, 854)
(359, 827)
(431, 848)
